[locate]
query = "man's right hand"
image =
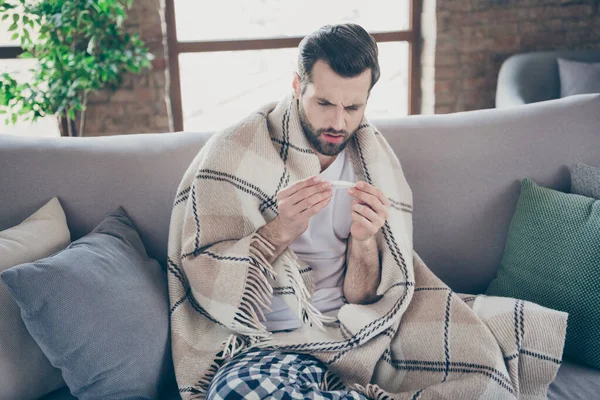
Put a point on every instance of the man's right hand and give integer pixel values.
(299, 202)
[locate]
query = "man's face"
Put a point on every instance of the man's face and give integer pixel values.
(332, 107)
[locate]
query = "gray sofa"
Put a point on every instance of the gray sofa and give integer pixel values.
(532, 77)
(464, 170)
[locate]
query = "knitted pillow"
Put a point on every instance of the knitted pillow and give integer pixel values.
(585, 180)
(552, 257)
(99, 311)
(25, 372)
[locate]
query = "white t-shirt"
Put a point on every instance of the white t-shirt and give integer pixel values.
(322, 247)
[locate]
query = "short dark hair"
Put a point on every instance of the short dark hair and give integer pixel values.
(347, 48)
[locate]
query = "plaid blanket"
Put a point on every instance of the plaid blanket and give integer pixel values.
(419, 341)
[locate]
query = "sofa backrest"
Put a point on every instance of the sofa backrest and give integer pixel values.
(532, 77)
(464, 170)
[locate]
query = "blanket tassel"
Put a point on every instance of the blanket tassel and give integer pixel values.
(233, 346)
(331, 382)
(373, 391)
(307, 313)
(258, 291)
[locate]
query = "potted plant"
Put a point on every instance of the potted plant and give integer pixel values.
(80, 47)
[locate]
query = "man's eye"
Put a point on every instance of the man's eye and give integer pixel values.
(323, 104)
(351, 108)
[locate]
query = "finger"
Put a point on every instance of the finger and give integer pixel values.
(308, 191)
(368, 213)
(365, 223)
(311, 201)
(365, 187)
(371, 200)
(315, 208)
(290, 190)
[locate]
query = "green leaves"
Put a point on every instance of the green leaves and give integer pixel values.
(80, 47)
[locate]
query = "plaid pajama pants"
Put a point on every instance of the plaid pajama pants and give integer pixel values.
(267, 374)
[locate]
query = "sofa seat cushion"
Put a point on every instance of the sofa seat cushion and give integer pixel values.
(171, 393)
(575, 382)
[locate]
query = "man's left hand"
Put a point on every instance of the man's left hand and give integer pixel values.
(369, 211)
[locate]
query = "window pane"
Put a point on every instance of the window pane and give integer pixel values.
(245, 19)
(219, 89)
(389, 97)
(47, 126)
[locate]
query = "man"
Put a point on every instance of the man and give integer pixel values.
(332, 232)
(282, 286)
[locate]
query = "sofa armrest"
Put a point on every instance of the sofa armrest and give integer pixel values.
(527, 78)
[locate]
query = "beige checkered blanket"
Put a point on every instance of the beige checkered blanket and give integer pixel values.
(419, 341)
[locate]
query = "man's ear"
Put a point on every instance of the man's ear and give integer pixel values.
(297, 86)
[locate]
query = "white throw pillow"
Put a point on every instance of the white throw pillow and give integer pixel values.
(25, 372)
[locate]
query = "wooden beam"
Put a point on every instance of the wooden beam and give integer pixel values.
(414, 68)
(273, 43)
(7, 52)
(174, 74)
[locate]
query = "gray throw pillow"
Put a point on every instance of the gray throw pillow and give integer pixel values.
(585, 180)
(99, 312)
(578, 77)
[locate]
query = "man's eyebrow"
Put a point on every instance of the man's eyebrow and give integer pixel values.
(354, 105)
(322, 100)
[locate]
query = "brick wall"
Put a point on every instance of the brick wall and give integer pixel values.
(474, 37)
(140, 105)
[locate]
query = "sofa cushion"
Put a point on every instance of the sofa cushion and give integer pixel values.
(552, 257)
(575, 381)
(170, 393)
(99, 311)
(578, 77)
(42, 234)
(585, 180)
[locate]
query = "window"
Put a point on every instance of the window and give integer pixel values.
(19, 68)
(228, 59)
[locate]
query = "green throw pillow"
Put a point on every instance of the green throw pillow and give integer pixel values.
(552, 258)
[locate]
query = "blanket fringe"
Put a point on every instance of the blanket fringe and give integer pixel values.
(258, 291)
(259, 246)
(373, 391)
(305, 274)
(207, 377)
(332, 382)
(232, 346)
(307, 313)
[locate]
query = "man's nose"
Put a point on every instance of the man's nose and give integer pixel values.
(339, 123)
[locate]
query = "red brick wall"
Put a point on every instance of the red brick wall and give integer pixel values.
(140, 105)
(474, 37)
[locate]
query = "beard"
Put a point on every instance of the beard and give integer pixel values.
(315, 136)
